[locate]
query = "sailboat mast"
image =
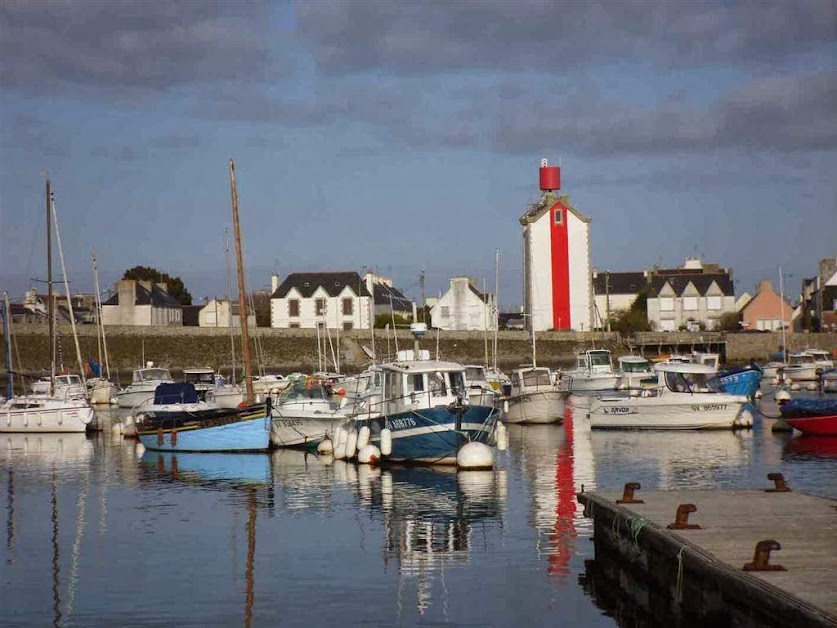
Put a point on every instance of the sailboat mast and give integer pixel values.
(242, 291)
(7, 346)
(99, 321)
(229, 300)
(496, 302)
(782, 296)
(50, 298)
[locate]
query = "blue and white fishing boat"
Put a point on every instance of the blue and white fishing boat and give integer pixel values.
(424, 408)
(741, 381)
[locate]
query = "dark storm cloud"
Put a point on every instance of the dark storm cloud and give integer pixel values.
(149, 45)
(537, 35)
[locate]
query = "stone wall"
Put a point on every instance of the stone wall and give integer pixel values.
(288, 350)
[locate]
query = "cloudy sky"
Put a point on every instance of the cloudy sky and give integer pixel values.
(405, 136)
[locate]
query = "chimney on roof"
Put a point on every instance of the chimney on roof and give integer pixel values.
(274, 282)
(126, 291)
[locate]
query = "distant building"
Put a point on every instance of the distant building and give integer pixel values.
(222, 313)
(691, 297)
(766, 311)
(818, 303)
(334, 300)
(140, 302)
(616, 291)
(464, 308)
(34, 308)
(558, 293)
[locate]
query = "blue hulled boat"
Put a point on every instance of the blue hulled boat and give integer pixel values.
(741, 381)
(193, 425)
(425, 408)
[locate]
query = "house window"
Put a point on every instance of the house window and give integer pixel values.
(559, 216)
(320, 307)
(348, 307)
(445, 311)
(666, 304)
(348, 326)
(293, 308)
(690, 303)
(713, 303)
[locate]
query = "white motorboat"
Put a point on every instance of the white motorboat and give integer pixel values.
(685, 399)
(533, 397)
(480, 391)
(634, 370)
(828, 381)
(202, 378)
(305, 412)
(802, 367)
(143, 384)
(821, 358)
(43, 413)
(593, 372)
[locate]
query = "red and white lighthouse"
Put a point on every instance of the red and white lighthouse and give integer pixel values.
(558, 288)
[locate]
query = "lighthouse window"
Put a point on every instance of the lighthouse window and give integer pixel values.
(559, 216)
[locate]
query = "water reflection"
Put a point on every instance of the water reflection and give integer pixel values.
(557, 462)
(431, 517)
(55, 459)
(811, 447)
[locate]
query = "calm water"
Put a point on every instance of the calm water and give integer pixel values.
(97, 534)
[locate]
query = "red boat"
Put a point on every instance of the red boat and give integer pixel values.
(812, 416)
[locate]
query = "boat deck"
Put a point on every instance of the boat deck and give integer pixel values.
(731, 523)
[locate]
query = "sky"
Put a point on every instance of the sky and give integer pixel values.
(406, 136)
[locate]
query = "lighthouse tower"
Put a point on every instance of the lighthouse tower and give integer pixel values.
(558, 288)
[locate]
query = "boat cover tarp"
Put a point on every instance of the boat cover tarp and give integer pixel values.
(799, 408)
(175, 393)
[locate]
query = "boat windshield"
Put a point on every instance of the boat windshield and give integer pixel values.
(537, 378)
(68, 380)
(599, 358)
(475, 374)
(147, 375)
(199, 377)
(802, 359)
(691, 382)
(308, 388)
(636, 366)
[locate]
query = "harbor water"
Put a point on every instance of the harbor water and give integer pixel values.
(98, 533)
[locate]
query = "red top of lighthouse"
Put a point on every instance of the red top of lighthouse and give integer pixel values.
(550, 176)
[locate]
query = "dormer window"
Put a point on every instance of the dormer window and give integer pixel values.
(306, 285)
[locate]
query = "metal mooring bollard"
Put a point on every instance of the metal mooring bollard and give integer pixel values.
(628, 494)
(761, 557)
(681, 519)
(780, 485)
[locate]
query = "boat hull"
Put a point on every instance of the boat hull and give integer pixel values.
(802, 373)
(102, 392)
(815, 426)
(535, 407)
(135, 397)
(41, 420)
(302, 431)
(744, 382)
(430, 435)
(660, 413)
(244, 430)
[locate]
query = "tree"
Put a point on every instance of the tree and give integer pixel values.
(176, 288)
(635, 318)
(729, 321)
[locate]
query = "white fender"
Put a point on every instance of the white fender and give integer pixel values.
(386, 442)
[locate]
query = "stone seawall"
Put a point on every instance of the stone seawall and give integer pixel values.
(296, 349)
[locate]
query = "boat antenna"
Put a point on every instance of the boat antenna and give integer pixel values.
(242, 290)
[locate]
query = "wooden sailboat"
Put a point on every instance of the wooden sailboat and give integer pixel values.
(57, 409)
(246, 428)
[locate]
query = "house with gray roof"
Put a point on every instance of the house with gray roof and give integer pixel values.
(334, 300)
(693, 297)
(140, 302)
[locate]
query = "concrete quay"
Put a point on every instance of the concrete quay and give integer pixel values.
(702, 573)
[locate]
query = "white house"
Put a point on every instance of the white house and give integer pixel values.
(216, 313)
(616, 291)
(558, 292)
(694, 296)
(334, 300)
(464, 308)
(141, 303)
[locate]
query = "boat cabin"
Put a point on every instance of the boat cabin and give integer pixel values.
(802, 359)
(150, 375)
(821, 357)
(634, 364)
(688, 378)
(204, 376)
(594, 361)
(409, 385)
(531, 379)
